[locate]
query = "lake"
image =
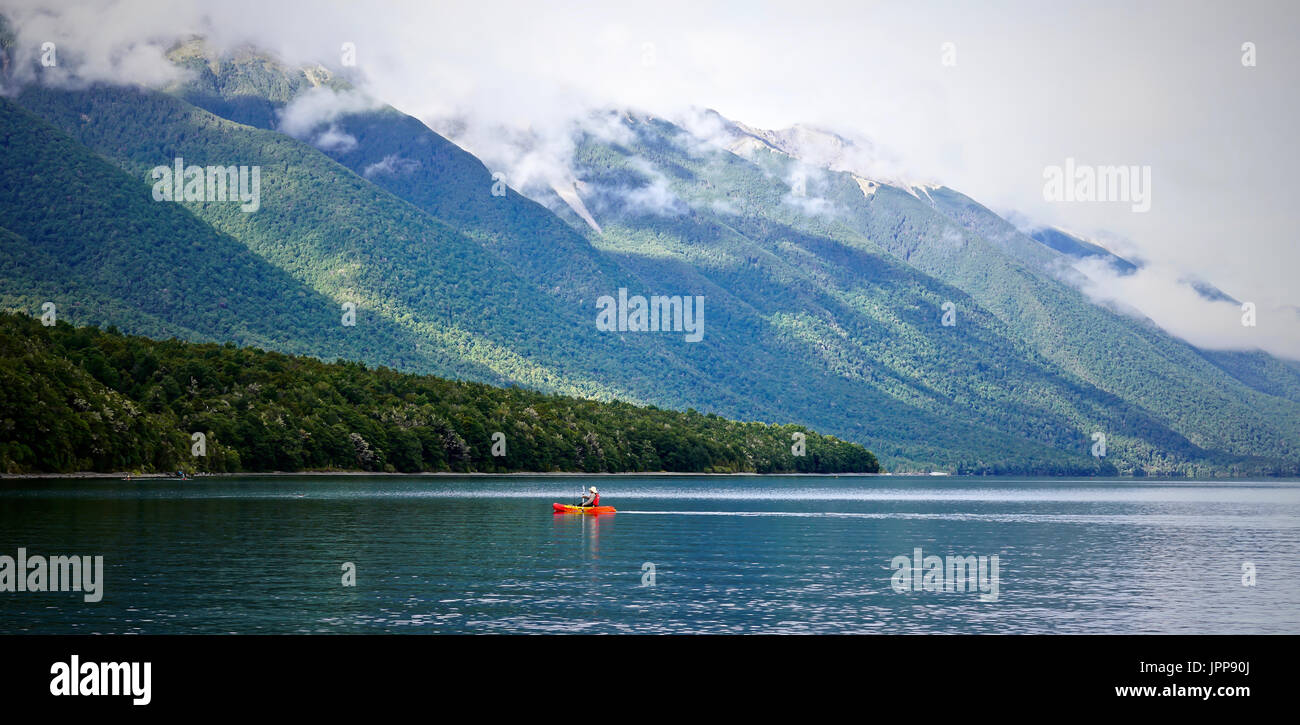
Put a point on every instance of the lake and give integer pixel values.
(685, 554)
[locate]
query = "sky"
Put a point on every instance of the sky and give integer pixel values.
(982, 97)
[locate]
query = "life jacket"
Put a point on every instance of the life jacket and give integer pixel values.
(595, 501)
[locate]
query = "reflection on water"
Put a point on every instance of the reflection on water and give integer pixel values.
(743, 554)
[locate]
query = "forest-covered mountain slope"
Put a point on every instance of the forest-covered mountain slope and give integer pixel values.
(79, 399)
(915, 322)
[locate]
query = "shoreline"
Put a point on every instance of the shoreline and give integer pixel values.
(428, 474)
(95, 475)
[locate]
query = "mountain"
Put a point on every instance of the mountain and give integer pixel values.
(1089, 368)
(651, 368)
(1078, 248)
(827, 293)
(80, 232)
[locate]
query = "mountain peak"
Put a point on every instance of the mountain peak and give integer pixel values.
(823, 148)
(246, 71)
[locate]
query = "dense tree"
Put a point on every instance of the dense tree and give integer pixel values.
(828, 319)
(76, 399)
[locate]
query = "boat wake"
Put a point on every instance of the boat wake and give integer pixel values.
(1222, 520)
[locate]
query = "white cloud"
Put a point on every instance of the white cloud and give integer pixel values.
(722, 206)
(654, 197)
(303, 117)
(392, 165)
(1157, 84)
(1164, 296)
(90, 47)
(811, 205)
(954, 237)
(335, 139)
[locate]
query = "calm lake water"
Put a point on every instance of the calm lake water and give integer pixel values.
(729, 555)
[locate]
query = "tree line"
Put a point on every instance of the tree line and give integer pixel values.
(85, 399)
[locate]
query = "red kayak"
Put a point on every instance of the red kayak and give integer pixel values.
(562, 508)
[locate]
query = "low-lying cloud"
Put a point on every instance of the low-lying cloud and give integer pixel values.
(1167, 298)
(87, 47)
(313, 116)
(512, 82)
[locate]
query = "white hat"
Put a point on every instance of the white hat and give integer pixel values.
(592, 489)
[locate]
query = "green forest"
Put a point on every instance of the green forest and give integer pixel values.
(824, 308)
(85, 399)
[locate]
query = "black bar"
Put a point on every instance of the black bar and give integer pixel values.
(926, 675)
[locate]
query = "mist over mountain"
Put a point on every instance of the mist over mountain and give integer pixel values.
(838, 292)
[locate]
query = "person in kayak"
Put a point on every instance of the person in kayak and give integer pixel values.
(590, 498)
